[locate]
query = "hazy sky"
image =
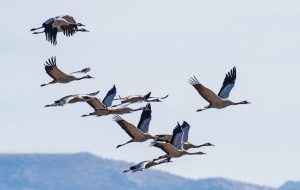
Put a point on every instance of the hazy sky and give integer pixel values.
(156, 46)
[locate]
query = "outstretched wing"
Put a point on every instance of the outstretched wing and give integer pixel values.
(177, 136)
(109, 98)
(206, 93)
(145, 119)
(166, 147)
(67, 24)
(228, 84)
(96, 104)
(154, 163)
(147, 96)
(51, 35)
(185, 128)
(93, 93)
(130, 129)
(50, 32)
(85, 70)
(52, 69)
(69, 30)
(69, 18)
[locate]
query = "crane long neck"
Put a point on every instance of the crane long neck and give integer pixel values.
(196, 146)
(80, 78)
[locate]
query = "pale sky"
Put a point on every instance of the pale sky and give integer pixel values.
(156, 46)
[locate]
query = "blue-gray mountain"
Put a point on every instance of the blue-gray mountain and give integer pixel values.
(84, 171)
(291, 185)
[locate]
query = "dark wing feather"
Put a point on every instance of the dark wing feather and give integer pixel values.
(50, 32)
(51, 35)
(130, 129)
(186, 128)
(133, 167)
(48, 22)
(228, 84)
(52, 69)
(177, 135)
(147, 96)
(206, 93)
(111, 94)
(145, 119)
(67, 24)
(69, 30)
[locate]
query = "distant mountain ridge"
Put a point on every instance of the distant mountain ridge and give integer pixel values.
(84, 171)
(291, 185)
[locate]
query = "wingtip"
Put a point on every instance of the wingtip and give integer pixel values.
(148, 106)
(117, 118)
(95, 93)
(193, 80)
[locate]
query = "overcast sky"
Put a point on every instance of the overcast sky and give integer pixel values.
(156, 46)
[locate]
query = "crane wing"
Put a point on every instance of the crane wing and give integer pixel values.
(69, 30)
(228, 84)
(166, 147)
(51, 34)
(52, 69)
(96, 104)
(185, 128)
(177, 136)
(69, 18)
(145, 119)
(154, 163)
(130, 129)
(109, 98)
(67, 24)
(59, 22)
(206, 93)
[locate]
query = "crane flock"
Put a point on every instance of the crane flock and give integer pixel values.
(174, 145)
